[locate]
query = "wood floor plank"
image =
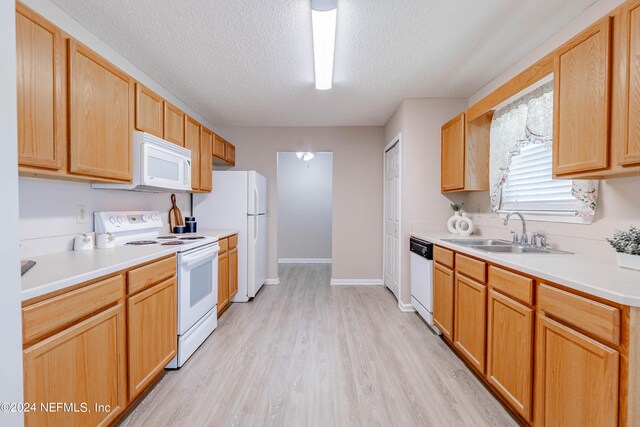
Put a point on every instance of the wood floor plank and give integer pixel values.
(304, 353)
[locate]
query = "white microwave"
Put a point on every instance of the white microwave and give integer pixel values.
(157, 165)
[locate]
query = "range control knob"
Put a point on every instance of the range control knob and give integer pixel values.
(112, 219)
(144, 218)
(120, 220)
(155, 217)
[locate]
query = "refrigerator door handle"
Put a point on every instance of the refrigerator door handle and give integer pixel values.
(255, 230)
(256, 207)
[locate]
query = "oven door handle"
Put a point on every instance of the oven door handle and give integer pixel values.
(198, 257)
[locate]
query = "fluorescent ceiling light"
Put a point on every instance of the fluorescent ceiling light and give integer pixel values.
(323, 20)
(307, 156)
(299, 154)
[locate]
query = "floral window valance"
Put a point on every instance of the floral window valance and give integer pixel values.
(526, 121)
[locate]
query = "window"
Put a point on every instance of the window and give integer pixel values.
(529, 186)
(520, 163)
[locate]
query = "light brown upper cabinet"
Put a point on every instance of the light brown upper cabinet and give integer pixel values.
(465, 154)
(174, 121)
(149, 111)
(224, 152)
(626, 132)
(219, 147)
(582, 101)
(41, 81)
(100, 116)
(192, 142)
(452, 161)
(206, 165)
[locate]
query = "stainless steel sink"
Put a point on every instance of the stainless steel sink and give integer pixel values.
(478, 242)
(502, 246)
(512, 249)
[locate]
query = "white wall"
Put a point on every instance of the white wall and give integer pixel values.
(48, 211)
(423, 206)
(618, 205)
(356, 246)
(304, 206)
(10, 318)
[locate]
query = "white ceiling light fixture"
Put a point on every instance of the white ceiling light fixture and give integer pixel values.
(306, 155)
(323, 20)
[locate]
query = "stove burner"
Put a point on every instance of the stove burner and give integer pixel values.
(192, 238)
(141, 242)
(166, 237)
(172, 243)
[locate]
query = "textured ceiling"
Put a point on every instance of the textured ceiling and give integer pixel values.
(250, 62)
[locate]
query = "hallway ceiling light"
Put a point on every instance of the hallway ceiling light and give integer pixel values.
(323, 20)
(306, 156)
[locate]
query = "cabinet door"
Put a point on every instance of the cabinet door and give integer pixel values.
(153, 332)
(41, 84)
(82, 364)
(206, 161)
(510, 351)
(223, 281)
(192, 142)
(471, 320)
(443, 295)
(452, 155)
(577, 378)
(173, 124)
(100, 116)
(581, 102)
(233, 272)
(149, 111)
(230, 154)
(630, 155)
(219, 148)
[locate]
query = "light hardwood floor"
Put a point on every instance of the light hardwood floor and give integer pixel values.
(304, 353)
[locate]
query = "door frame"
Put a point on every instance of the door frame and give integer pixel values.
(396, 140)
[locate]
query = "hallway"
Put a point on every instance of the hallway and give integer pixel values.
(304, 353)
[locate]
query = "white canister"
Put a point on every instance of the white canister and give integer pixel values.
(105, 241)
(83, 242)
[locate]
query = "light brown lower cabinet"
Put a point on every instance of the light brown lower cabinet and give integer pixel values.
(577, 378)
(152, 327)
(84, 364)
(443, 299)
(227, 272)
(510, 351)
(81, 346)
(470, 320)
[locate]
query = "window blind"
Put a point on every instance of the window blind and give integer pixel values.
(529, 185)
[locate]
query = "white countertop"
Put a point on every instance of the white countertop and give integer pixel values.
(64, 269)
(573, 271)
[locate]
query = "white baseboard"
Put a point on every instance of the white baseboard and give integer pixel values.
(275, 281)
(304, 260)
(356, 282)
(407, 308)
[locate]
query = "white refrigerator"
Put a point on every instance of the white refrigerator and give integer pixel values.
(238, 201)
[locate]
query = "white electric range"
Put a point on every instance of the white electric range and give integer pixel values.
(197, 267)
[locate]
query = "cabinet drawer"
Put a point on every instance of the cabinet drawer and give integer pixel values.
(443, 256)
(143, 277)
(49, 315)
(599, 319)
(224, 245)
(233, 241)
(471, 268)
(512, 284)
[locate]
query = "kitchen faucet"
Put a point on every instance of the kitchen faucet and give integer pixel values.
(524, 240)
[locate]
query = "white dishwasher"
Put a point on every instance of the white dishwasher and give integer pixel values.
(422, 279)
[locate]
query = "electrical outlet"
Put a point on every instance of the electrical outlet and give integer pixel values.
(81, 214)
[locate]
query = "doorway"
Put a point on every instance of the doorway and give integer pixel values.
(391, 250)
(305, 208)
